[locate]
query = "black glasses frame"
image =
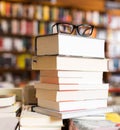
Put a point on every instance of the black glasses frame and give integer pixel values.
(75, 27)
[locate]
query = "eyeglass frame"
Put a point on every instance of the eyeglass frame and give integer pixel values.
(75, 27)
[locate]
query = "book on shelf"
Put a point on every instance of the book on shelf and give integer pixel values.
(72, 105)
(73, 113)
(85, 86)
(38, 13)
(68, 95)
(61, 73)
(69, 63)
(46, 11)
(71, 45)
(71, 80)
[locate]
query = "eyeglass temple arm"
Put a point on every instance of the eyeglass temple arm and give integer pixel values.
(53, 27)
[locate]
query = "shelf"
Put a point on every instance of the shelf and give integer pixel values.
(16, 35)
(115, 12)
(16, 52)
(78, 4)
(13, 69)
(113, 89)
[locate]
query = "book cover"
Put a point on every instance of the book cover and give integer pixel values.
(69, 63)
(68, 95)
(46, 12)
(70, 45)
(38, 12)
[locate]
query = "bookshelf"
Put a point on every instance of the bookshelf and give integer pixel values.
(113, 50)
(22, 20)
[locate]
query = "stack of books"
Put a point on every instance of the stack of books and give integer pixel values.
(71, 75)
(35, 121)
(9, 107)
(10, 110)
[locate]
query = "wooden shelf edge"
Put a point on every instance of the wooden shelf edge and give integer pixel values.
(113, 89)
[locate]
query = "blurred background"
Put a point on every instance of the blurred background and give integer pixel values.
(22, 20)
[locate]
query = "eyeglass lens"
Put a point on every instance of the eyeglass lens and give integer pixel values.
(65, 28)
(84, 30)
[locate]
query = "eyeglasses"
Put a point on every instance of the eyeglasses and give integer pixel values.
(82, 29)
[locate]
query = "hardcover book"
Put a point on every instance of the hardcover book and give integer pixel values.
(68, 95)
(69, 63)
(30, 118)
(85, 86)
(73, 105)
(70, 45)
(11, 111)
(62, 73)
(71, 80)
(79, 124)
(73, 113)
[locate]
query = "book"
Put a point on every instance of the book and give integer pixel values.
(69, 63)
(29, 94)
(40, 128)
(71, 80)
(30, 118)
(10, 114)
(6, 90)
(11, 108)
(7, 100)
(85, 86)
(11, 111)
(9, 123)
(72, 113)
(45, 13)
(75, 124)
(71, 45)
(75, 95)
(73, 105)
(62, 73)
(101, 116)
